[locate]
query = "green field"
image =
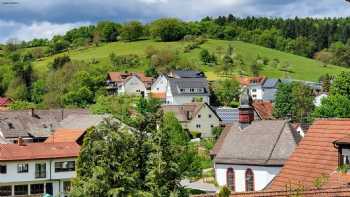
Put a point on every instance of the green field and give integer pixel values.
(302, 68)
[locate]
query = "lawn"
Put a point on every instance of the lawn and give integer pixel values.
(301, 68)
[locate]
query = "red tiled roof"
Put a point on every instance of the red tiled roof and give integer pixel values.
(264, 109)
(315, 156)
(244, 81)
(35, 151)
(4, 101)
(65, 135)
(120, 76)
(329, 192)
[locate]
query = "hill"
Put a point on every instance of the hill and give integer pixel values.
(301, 68)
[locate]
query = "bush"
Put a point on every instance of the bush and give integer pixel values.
(124, 60)
(207, 58)
(21, 105)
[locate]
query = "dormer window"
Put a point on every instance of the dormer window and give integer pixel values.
(343, 146)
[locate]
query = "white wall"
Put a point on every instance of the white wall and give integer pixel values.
(134, 86)
(160, 85)
(204, 121)
(180, 100)
(262, 175)
(13, 176)
(258, 94)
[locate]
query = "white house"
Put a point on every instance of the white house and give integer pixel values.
(249, 154)
(254, 85)
(159, 87)
(129, 83)
(199, 117)
(319, 98)
(37, 168)
(185, 90)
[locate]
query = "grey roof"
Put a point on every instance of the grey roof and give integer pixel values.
(75, 121)
(177, 84)
(40, 123)
(187, 74)
(312, 85)
(270, 94)
(230, 115)
(266, 142)
(271, 83)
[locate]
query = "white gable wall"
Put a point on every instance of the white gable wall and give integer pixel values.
(160, 85)
(134, 86)
(256, 92)
(263, 175)
(206, 119)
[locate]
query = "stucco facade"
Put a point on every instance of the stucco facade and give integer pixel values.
(60, 181)
(204, 121)
(263, 175)
(133, 86)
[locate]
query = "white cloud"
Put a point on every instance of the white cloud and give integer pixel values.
(27, 32)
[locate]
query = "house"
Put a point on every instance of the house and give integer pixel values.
(254, 85)
(4, 103)
(270, 87)
(186, 90)
(249, 154)
(34, 169)
(129, 83)
(33, 125)
(159, 87)
(195, 116)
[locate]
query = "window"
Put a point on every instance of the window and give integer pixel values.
(182, 90)
(65, 166)
(22, 168)
(198, 126)
(191, 89)
(199, 116)
(6, 190)
(211, 126)
(21, 189)
(230, 179)
(249, 180)
(209, 116)
(253, 90)
(66, 186)
(3, 169)
(40, 170)
(36, 188)
(345, 156)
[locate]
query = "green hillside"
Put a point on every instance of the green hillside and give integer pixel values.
(301, 68)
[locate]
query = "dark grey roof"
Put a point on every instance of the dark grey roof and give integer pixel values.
(187, 74)
(177, 84)
(24, 123)
(266, 142)
(271, 83)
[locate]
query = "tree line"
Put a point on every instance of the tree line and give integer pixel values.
(324, 39)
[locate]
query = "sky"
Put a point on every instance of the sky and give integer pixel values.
(28, 19)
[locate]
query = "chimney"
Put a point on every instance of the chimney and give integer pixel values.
(20, 141)
(246, 112)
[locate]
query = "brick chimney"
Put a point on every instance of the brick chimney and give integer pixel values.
(20, 141)
(246, 112)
